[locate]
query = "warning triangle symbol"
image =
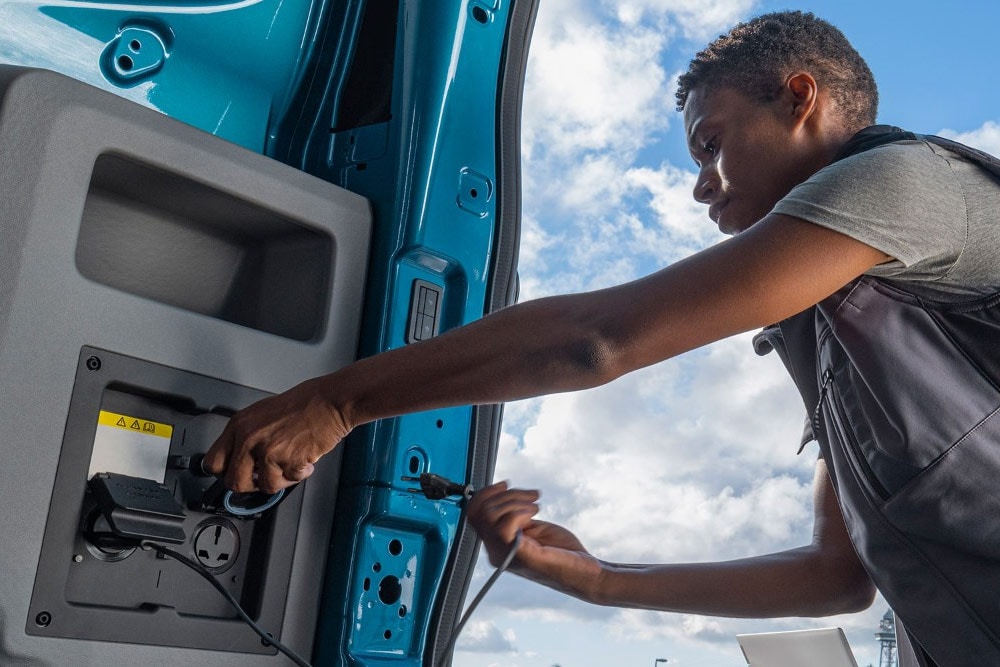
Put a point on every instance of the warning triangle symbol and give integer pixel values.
(135, 425)
(121, 422)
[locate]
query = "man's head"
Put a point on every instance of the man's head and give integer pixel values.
(766, 106)
(757, 57)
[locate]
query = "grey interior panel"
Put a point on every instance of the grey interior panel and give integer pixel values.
(201, 276)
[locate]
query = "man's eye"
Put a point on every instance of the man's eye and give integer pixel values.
(709, 147)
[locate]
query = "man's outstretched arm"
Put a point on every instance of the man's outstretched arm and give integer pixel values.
(819, 579)
(775, 269)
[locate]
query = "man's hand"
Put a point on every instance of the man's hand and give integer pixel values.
(548, 553)
(498, 513)
(275, 443)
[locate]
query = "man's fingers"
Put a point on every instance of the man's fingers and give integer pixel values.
(514, 520)
(511, 502)
(239, 473)
(497, 506)
(522, 496)
(300, 472)
(498, 493)
(498, 513)
(491, 491)
(214, 462)
(270, 477)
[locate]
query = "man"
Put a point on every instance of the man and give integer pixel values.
(768, 109)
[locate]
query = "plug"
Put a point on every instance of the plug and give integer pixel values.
(436, 487)
(137, 508)
(220, 500)
(195, 464)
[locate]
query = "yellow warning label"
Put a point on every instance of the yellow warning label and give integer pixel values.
(135, 424)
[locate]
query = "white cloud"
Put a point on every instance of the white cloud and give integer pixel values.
(591, 86)
(985, 138)
(678, 216)
(595, 94)
(701, 448)
(669, 190)
(486, 637)
(627, 222)
(697, 19)
(535, 240)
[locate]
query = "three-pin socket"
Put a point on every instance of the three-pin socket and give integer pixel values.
(216, 544)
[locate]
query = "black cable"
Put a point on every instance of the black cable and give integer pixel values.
(437, 487)
(433, 487)
(508, 559)
(200, 569)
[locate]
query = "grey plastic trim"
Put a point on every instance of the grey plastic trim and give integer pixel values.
(53, 130)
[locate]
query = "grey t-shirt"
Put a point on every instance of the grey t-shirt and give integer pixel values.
(935, 213)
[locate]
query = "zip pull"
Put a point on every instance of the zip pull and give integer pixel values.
(817, 425)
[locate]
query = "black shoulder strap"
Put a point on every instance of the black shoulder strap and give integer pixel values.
(981, 158)
(879, 135)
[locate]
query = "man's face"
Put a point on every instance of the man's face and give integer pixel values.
(749, 153)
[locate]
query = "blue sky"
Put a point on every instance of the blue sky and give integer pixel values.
(647, 469)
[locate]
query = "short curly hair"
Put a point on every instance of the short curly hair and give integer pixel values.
(755, 57)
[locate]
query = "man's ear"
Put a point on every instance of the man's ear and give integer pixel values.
(802, 94)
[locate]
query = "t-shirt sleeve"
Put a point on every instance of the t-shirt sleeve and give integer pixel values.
(902, 199)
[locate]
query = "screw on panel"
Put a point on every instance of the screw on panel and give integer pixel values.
(480, 14)
(93, 364)
(475, 192)
(137, 53)
(43, 619)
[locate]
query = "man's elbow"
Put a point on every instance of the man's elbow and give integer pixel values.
(857, 597)
(594, 358)
(850, 591)
(583, 340)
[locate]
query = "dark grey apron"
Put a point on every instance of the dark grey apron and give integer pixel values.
(904, 396)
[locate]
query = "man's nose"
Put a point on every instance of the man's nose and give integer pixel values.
(705, 187)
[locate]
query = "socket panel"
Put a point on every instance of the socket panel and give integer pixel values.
(85, 589)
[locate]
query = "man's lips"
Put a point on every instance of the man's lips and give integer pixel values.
(716, 209)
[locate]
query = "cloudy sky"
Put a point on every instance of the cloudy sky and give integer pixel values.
(693, 459)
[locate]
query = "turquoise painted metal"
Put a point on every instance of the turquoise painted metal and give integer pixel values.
(444, 131)
(227, 68)
(396, 100)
